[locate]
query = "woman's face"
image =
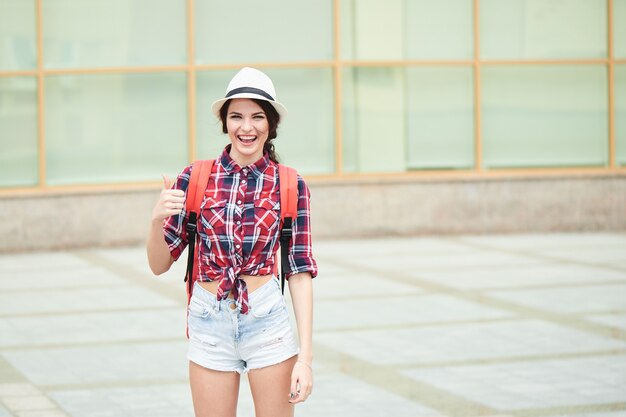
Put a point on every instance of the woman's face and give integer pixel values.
(248, 129)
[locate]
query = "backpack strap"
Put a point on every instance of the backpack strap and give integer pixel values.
(198, 183)
(288, 178)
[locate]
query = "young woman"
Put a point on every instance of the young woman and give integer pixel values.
(238, 321)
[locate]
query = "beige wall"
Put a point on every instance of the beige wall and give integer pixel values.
(374, 208)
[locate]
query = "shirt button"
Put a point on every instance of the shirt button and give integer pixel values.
(243, 181)
(238, 222)
(238, 201)
(238, 246)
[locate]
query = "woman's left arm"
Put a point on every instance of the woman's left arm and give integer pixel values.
(301, 290)
(303, 269)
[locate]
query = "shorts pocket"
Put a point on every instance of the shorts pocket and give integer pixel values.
(269, 307)
(198, 309)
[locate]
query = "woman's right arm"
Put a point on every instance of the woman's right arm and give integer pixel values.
(171, 203)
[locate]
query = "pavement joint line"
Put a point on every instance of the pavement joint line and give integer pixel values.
(138, 383)
(532, 254)
(512, 359)
(417, 325)
(549, 286)
(487, 300)
(446, 402)
(567, 410)
(60, 288)
(98, 344)
(85, 312)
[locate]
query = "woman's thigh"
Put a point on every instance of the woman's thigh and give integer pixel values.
(270, 388)
(214, 393)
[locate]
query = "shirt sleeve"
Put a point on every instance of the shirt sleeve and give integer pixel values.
(174, 226)
(301, 250)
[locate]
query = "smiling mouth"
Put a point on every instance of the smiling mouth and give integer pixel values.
(246, 139)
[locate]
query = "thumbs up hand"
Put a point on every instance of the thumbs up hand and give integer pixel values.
(171, 201)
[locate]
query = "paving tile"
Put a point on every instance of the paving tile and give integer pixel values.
(28, 403)
(587, 299)
(17, 389)
(93, 327)
(507, 387)
(157, 400)
(81, 299)
(547, 241)
(461, 342)
(590, 254)
(376, 247)
(448, 261)
(39, 262)
(617, 320)
(41, 413)
(399, 310)
(354, 284)
(66, 278)
(505, 277)
(621, 413)
(91, 364)
(338, 395)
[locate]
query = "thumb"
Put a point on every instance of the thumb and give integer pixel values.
(167, 183)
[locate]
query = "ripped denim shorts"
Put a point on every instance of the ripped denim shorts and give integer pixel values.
(222, 339)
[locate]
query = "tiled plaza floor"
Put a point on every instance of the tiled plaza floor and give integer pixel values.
(506, 325)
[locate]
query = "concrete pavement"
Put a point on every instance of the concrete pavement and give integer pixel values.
(518, 325)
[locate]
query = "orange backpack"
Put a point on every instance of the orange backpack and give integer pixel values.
(198, 183)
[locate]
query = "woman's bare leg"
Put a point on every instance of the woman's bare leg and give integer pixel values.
(214, 393)
(270, 388)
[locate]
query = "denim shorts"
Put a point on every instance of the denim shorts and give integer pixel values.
(222, 339)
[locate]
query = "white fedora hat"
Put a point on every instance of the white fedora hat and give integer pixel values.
(250, 83)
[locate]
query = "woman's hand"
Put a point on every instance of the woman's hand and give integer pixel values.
(301, 382)
(171, 202)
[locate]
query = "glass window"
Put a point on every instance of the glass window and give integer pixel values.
(440, 29)
(115, 127)
(544, 116)
(268, 31)
(543, 29)
(440, 117)
(361, 41)
(415, 29)
(18, 49)
(305, 138)
(18, 132)
(374, 123)
(620, 114)
(111, 33)
(619, 28)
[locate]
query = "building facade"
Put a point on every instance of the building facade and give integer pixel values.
(422, 117)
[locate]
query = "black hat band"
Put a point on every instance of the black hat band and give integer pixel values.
(249, 90)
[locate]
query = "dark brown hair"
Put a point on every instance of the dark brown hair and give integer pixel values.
(273, 118)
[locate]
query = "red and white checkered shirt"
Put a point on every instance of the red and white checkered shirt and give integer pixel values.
(239, 225)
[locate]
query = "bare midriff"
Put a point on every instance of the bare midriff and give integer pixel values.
(252, 283)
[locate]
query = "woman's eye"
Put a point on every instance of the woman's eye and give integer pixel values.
(235, 117)
(259, 117)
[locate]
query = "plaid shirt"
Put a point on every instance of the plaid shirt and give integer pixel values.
(239, 226)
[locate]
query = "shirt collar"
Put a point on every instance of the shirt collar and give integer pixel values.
(231, 167)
